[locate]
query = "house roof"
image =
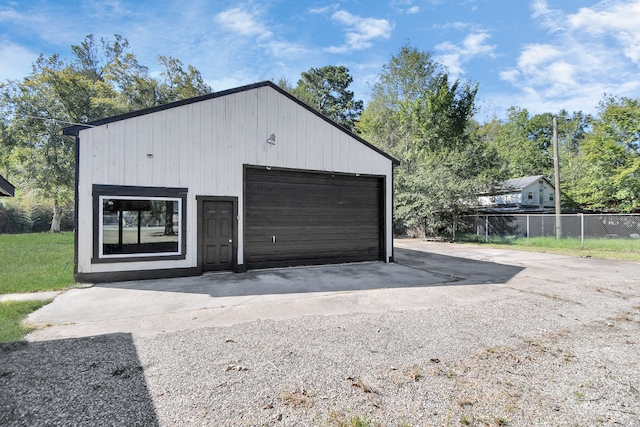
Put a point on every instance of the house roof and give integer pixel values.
(523, 182)
(6, 188)
(75, 130)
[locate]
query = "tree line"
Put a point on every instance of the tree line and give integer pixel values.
(100, 79)
(417, 112)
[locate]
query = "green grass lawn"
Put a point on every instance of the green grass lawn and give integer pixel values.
(11, 315)
(623, 249)
(35, 262)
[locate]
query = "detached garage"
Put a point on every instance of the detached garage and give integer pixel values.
(240, 179)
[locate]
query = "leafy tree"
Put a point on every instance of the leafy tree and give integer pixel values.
(388, 119)
(524, 143)
(611, 175)
(36, 109)
(99, 80)
(423, 118)
(572, 131)
(178, 83)
(326, 90)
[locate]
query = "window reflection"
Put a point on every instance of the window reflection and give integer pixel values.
(140, 226)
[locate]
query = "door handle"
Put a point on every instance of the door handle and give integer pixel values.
(230, 241)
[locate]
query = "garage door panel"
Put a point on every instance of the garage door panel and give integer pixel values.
(279, 188)
(308, 261)
(322, 247)
(313, 217)
(320, 241)
(275, 181)
(343, 225)
(337, 212)
(306, 231)
(313, 202)
(349, 214)
(369, 254)
(309, 196)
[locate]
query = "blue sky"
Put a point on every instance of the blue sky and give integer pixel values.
(543, 55)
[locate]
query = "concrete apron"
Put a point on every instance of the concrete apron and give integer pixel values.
(427, 275)
(149, 307)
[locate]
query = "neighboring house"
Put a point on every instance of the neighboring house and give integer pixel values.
(528, 193)
(6, 188)
(240, 179)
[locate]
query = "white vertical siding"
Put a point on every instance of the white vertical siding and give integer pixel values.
(95, 167)
(170, 150)
(144, 166)
(203, 146)
(158, 145)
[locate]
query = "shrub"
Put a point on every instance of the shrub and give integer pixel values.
(29, 216)
(40, 217)
(14, 218)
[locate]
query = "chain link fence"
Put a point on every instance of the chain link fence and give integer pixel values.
(571, 226)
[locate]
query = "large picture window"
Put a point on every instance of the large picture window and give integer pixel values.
(138, 222)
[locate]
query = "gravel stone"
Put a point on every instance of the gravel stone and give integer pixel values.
(557, 350)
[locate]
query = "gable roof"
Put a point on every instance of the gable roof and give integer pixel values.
(518, 184)
(6, 188)
(75, 130)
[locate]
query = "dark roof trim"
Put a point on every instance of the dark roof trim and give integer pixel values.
(75, 130)
(6, 188)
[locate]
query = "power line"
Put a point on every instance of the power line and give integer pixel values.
(56, 120)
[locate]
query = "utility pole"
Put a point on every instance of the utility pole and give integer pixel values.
(556, 173)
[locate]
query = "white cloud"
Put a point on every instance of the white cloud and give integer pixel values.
(325, 9)
(510, 75)
(11, 16)
(361, 32)
(39, 22)
(454, 56)
(405, 7)
(242, 22)
(535, 57)
(589, 52)
(459, 26)
(540, 7)
(621, 21)
(282, 49)
(16, 61)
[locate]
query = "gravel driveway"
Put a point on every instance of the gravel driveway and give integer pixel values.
(556, 344)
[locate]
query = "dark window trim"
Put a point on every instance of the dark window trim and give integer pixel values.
(134, 191)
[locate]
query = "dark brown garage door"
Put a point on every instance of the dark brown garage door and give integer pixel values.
(305, 218)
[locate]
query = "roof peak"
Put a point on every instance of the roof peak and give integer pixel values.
(523, 181)
(75, 130)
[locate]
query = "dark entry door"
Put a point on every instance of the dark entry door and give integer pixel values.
(217, 235)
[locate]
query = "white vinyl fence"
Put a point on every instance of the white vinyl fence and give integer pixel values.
(577, 226)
